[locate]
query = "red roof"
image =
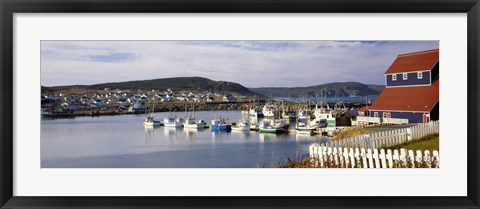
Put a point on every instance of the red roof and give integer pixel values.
(416, 98)
(417, 61)
(363, 109)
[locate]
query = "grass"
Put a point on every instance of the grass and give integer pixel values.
(430, 142)
(351, 132)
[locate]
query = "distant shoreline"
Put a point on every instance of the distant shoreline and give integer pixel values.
(180, 107)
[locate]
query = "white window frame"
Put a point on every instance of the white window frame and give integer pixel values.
(420, 75)
(405, 76)
(394, 77)
(375, 114)
(384, 114)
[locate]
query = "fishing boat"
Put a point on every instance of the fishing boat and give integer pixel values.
(149, 119)
(266, 127)
(203, 122)
(319, 123)
(323, 111)
(190, 122)
(303, 127)
(255, 112)
(268, 110)
(220, 124)
(172, 121)
(242, 125)
(281, 124)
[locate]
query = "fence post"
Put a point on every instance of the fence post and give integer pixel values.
(357, 158)
(352, 158)
(345, 156)
(419, 158)
(335, 156)
(437, 158)
(409, 134)
(427, 159)
(375, 157)
(364, 157)
(383, 158)
(389, 158)
(403, 156)
(411, 155)
(370, 158)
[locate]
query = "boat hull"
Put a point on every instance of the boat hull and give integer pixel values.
(194, 126)
(173, 125)
(222, 127)
(154, 123)
(269, 130)
(242, 128)
(304, 130)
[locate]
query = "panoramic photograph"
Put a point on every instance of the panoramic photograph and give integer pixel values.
(239, 104)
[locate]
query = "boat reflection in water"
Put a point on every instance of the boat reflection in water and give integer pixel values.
(162, 147)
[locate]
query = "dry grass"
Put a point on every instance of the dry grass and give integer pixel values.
(351, 132)
(333, 161)
(430, 142)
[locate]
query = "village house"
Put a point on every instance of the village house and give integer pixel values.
(411, 89)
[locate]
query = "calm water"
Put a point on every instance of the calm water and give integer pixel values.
(123, 142)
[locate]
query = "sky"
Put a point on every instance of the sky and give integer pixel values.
(250, 63)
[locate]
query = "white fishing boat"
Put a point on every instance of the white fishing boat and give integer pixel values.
(255, 112)
(319, 123)
(303, 127)
(149, 119)
(266, 126)
(242, 125)
(172, 121)
(323, 111)
(190, 122)
(268, 110)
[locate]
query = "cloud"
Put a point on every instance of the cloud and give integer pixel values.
(250, 63)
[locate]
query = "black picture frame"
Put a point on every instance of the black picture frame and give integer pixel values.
(10, 7)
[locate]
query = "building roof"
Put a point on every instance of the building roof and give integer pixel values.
(410, 99)
(416, 61)
(362, 109)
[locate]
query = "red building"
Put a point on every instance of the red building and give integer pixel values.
(412, 88)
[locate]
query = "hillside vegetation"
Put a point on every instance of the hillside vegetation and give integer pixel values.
(329, 90)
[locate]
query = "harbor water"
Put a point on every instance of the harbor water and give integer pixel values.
(122, 141)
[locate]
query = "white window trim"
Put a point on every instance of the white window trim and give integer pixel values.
(384, 114)
(420, 75)
(375, 114)
(405, 76)
(394, 77)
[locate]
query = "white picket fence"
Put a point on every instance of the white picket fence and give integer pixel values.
(387, 138)
(342, 157)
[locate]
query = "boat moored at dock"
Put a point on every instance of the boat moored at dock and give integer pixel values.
(268, 110)
(220, 124)
(172, 121)
(266, 126)
(242, 125)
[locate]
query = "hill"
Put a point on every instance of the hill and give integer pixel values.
(162, 84)
(330, 90)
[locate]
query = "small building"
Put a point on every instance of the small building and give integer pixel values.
(411, 89)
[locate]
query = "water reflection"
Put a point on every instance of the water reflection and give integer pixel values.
(97, 142)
